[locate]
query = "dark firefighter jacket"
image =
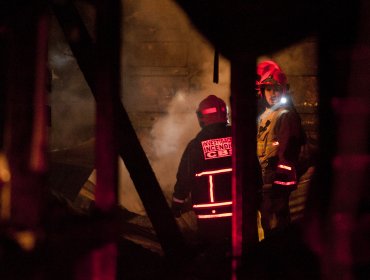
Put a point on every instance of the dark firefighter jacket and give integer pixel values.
(204, 172)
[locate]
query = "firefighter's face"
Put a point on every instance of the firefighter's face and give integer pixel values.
(272, 95)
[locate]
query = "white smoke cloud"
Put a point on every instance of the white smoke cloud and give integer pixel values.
(168, 138)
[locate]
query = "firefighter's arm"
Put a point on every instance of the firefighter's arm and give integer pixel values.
(177, 206)
(289, 147)
(183, 184)
(180, 195)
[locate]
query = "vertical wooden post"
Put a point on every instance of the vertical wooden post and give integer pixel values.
(107, 81)
(245, 171)
(107, 95)
(25, 131)
(337, 198)
(4, 166)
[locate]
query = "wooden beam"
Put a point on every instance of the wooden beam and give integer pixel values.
(129, 146)
(245, 166)
(25, 142)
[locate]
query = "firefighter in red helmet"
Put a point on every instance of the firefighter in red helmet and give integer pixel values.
(279, 140)
(204, 174)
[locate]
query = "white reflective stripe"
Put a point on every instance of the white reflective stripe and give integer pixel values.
(282, 166)
(214, 172)
(210, 216)
(211, 195)
(178, 200)
(285, 183)
(217, 204)
(209, 111)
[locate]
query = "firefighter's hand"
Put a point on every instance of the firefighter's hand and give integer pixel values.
(177, 208)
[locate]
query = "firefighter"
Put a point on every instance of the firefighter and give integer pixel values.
(204, 174)
(279, 140)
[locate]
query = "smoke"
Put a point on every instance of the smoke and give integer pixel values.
(171, 134)
(167, 69)
(164, 147)
(171, 66)
(72, 104)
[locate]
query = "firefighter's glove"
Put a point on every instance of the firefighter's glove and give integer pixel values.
(285, 176)
(177, 208)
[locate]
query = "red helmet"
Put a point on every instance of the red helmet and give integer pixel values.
(266, 66)
(211, 110)
(270, 73)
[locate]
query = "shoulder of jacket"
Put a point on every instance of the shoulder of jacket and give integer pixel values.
(286, 111)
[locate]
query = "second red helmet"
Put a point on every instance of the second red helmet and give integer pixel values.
(211, 110)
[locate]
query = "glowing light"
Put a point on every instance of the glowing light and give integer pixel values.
(4, 169)
(282, 166)
(283, 100)
(276, 143)
(212, 216)
(217, 204)
(26, 239)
